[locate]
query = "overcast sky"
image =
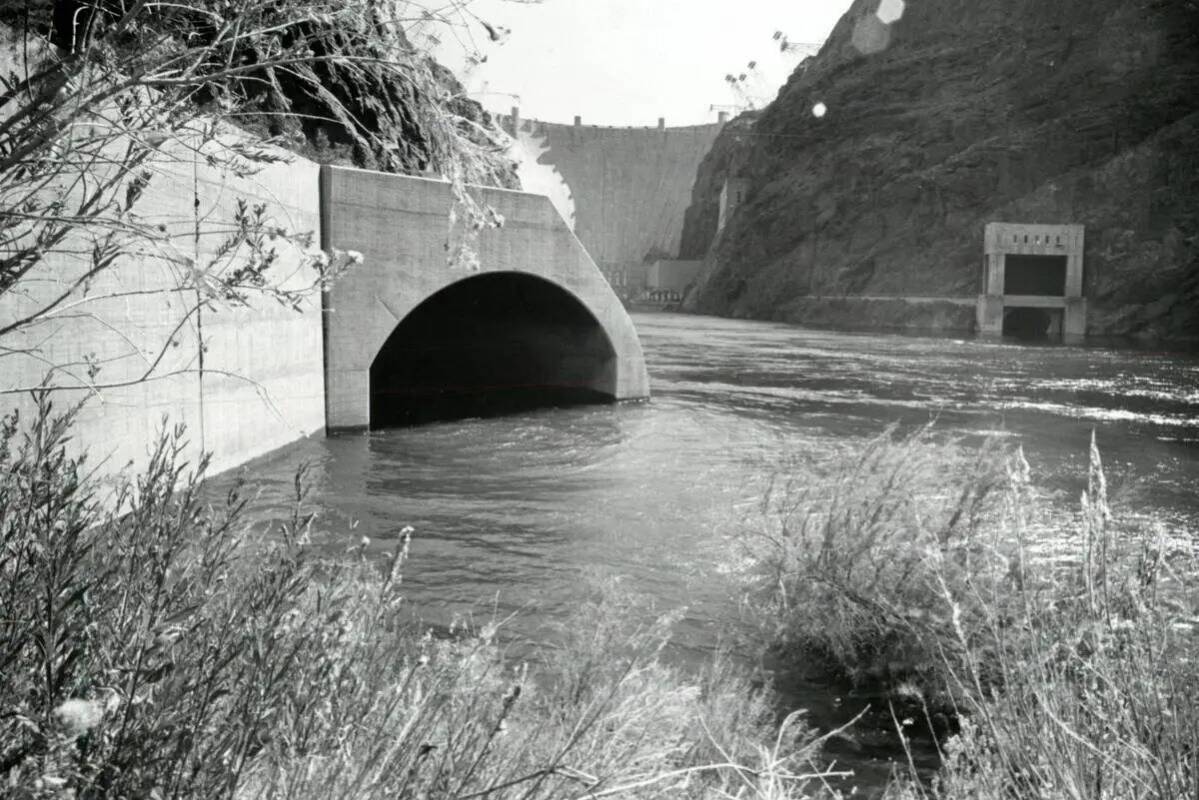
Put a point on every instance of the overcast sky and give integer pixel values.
(628, 62)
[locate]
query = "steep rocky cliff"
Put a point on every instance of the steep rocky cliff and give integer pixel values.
(958, 113)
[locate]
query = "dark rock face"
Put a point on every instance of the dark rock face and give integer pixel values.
(1010, 110)
(725, 159)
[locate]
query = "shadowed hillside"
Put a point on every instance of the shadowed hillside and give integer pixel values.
(957, 114)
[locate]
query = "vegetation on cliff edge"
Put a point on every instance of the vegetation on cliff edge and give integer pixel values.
(335, 81)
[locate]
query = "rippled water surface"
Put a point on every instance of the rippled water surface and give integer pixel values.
(515, 514)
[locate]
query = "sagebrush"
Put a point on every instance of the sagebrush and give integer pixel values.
(155, 646)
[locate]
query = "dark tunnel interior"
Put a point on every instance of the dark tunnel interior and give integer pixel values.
(1033, 324)
(1034, 275)
(488, 345)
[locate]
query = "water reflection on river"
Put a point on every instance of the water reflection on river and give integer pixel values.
(514, 514)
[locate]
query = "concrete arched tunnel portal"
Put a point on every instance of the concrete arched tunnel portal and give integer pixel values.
(410, 338)
(491, 344)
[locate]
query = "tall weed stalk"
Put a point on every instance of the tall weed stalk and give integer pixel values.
(848, 566)
(916, 566)
(1087, 690)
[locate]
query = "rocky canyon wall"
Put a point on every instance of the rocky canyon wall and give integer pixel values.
(951, 115)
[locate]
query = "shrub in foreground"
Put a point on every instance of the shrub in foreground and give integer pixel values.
(849, 567)
(1068, 653)
(150, 650)
(1086, 687)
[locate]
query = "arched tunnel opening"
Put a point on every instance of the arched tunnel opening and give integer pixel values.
(1033, 324)
(491, 344)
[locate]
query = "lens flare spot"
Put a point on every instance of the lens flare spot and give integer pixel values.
(871, 35)
(890, 11)
(819, 110)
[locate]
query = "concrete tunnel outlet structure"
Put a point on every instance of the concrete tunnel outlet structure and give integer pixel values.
(410, 338)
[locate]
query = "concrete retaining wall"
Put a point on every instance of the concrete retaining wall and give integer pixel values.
(132, 346)
(244, 380)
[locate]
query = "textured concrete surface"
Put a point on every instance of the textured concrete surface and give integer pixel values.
(672, 275)
(263, 381)
(628, 279)
(244, 381)
(628, 188)
(399, 225)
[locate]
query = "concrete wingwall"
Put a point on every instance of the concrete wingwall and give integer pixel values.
(243, 380)
(629, 188)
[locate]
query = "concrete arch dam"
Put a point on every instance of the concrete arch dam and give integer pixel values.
(409, 338)
(625, 191)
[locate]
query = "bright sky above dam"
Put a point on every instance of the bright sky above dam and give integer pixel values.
(629, 62)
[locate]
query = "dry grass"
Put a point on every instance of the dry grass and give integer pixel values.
(849, 565)
(1068, 677)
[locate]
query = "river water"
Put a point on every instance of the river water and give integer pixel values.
(521, 514)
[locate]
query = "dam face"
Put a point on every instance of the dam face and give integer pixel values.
(627, 189)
